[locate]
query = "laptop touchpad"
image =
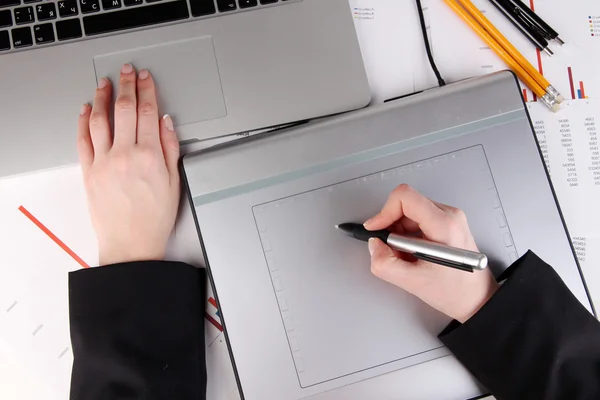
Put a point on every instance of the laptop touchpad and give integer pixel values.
(186, 76)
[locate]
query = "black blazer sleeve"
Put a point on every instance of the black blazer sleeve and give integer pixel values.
(137, 332)
(532, 340)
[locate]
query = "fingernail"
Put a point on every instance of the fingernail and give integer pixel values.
(368, 222)
(83, 109)
(127, 69)
(102, 83)
(372, 246)
(169, 122)
(144, 74)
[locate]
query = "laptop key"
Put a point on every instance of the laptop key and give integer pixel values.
(202, 7)
(4, 41)
(31, 1)
(268, 1)
(8, 3)
(133, 2)
(23, 15)
(45, 11)
(68, 29)
(5, 18)
(110, 4)
(226, 5)
(89, 6)
(67, 8)
(248, 3)
(21, 37)
(43, 33)
(135, 17)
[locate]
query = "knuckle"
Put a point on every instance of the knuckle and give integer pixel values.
(125, 103)
(82, 141)
(127, 79)
(148, 160)
(403, 189)
(96, 119)
(147, 108)
(377, 269)
(173, 147)
(121, 162)
(458, 215)
(455, 225)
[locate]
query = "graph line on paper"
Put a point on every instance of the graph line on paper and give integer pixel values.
(53, 237)
(210, 316)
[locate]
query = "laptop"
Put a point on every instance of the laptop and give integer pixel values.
(302, 313)
(221, 66)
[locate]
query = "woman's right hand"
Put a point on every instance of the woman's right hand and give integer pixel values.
(455, 293)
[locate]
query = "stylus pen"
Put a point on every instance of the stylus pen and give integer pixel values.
(537, 21)
(422, 249)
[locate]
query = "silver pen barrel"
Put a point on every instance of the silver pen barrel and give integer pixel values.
(438, 252)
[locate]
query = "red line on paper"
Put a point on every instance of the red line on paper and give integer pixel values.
(213, 321)
(54, 238)
(213, 302)
(525, 95)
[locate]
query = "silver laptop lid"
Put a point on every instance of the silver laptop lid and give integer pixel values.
(218, 72)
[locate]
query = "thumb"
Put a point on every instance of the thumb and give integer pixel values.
(384, 262)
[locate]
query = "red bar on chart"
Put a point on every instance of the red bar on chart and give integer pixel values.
(539, 60)
(571, 83)
(213, 321)
(582, 89)
(213, 302)
(525, 95)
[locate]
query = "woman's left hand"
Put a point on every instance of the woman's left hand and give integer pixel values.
(131, 177)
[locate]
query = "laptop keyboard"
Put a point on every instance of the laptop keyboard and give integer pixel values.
(27, 24)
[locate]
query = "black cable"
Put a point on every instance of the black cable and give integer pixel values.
(441, 81)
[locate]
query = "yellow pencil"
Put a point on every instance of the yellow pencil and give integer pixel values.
(512, 50)
(547, 99)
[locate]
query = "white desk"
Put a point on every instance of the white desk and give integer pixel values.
(35, 356)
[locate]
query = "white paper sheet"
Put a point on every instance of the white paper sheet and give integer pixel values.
(588, 252)
(392, 45)
(34, 318)
(569, 138)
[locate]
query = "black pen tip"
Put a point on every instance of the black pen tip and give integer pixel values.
(349, 228)
(358, 231)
